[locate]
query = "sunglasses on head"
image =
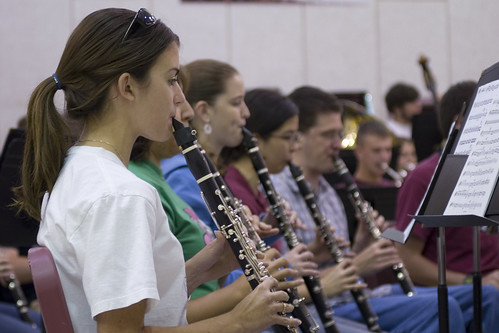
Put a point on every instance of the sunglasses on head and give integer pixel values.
(142, 19)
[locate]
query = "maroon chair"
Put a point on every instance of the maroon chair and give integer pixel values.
(49, 291)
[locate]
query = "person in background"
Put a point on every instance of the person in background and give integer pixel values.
(403, 103)
(405, 157)
(320, 127)
(373, 151)
(208, 300)
(121, 268)
(216, 94)
(274, 123)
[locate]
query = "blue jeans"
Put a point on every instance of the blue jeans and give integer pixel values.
(11, 322)
(399, 313)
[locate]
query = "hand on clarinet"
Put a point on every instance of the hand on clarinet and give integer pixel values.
(6, 268)
(293, 218)
(278, 268)
(363, 236)
(262, 229)
(378, 255)
(301, 259)
(321, 250)
(263, 308)
(341, 277)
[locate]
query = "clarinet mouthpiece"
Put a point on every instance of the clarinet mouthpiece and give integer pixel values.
(177, 124)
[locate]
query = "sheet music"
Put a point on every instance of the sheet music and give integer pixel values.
(480, 141)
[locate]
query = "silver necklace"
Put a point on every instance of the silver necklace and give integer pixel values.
(106, 143)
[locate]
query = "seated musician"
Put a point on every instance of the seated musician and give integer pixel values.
(320, 126)
(209, 299)
(373, 152)
(121, 268)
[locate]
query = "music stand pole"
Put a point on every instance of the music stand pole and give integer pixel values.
(477, 283)
(443, 301)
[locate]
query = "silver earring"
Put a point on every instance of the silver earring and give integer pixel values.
(207, 129)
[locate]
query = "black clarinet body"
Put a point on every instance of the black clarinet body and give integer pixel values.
(365, 308)
(225, 217)
(21, 303)
(308, 323)
(313, 283)
(363, 208)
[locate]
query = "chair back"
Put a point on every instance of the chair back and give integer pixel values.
(49, 291)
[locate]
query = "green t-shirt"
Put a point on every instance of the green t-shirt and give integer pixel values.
(191, 232)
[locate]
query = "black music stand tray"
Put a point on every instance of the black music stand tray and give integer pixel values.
(430, 214)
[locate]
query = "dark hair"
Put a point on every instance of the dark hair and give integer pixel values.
(372, 127)
(207, 80)
(452, 102)
(399, 94)
(93, 59)
(269, 110)
(311, 102)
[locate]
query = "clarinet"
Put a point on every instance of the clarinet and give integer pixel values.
(313, 283)
(363, 208)
(228, 222)
(21, 303)
(369, 315)
(308, 323)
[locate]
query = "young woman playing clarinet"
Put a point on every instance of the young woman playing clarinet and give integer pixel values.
(121, 268)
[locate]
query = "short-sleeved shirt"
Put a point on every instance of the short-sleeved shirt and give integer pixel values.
(111, 242)
(191, 232)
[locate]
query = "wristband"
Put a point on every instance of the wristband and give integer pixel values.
(468, 279)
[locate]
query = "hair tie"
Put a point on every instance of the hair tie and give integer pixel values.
(56, 79)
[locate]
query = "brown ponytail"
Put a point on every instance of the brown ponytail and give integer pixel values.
(93, 59)
(47, 140)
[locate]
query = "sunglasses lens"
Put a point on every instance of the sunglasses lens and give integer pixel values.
(142, 18)
(145, 18)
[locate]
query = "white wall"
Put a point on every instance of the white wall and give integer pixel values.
(357, 46)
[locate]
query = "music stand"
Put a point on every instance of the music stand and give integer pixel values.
(15, 230)
(463, 146)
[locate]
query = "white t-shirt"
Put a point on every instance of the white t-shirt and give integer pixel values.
(398, 129)
(110, 239)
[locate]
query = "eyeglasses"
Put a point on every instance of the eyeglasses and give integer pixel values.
(291, 138)
(142, 18)
(332, 135)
